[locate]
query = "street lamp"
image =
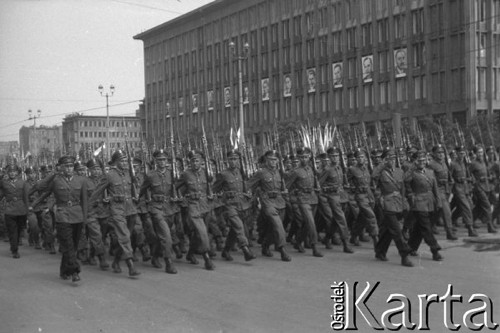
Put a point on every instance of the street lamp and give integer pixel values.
(107, 94)
(33, 116)
(240, 58)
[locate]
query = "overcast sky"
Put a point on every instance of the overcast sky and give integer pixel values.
(55, 53)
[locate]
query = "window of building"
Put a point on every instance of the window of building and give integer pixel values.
(401, 93)
(323, 17)
(418, 87)
(324, 102)
(324, 74)
(311, 103)
(337, 42)
(274, 33)
(384, 90)
(353, 97)
(382, 61)
(337, 99)
(481, 83)
(400, 26)
(299, 79)
(383, 30)
(285, 25)
(288, 107)
(298, 105)
(297, 29)
(81, 134)
(310, 50)
(286, 56)
(323, 46)
(351, 38)
(275, 58)
(298, 53)
(263, 37)
(366, 34)
(368, 95)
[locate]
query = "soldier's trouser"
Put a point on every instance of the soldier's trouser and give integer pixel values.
(444, 212)
(147, 226)
(94, 235)
(463, 207)
(483, 206)
(34, 230)
(198, 235)
(236, 228)
(390, 229)
(336, 214)
(106, 228)
(163, 247)
(422, 230)
(136, 232)
(120, 241)
(46, 225)
(308, 227)
(366, 218)
(352, 213)
(68, 235)
(15, 225)
(276, 232)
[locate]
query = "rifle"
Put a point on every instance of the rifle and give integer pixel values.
(208, 167)
(135, 193)
(174, 172)
(369, 158)
(275, 138)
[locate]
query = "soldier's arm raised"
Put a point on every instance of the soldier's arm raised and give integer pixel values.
(99, 190)
(84, 199)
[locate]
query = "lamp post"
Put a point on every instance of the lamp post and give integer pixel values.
(33, 116)
(107, 94)
(240, 58)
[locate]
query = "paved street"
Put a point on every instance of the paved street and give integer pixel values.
(266, 295)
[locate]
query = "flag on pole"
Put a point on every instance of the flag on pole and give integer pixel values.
(100, 149)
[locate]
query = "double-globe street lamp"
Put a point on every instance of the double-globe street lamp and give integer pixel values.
(107, 94)
(240, 58)
(33, 116)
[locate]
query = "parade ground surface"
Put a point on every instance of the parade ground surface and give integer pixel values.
(264, 295)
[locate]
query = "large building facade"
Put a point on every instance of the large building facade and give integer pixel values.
(44, 142)
(85, 134)
(348, 60)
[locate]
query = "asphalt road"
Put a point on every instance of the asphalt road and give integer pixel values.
(265, 295)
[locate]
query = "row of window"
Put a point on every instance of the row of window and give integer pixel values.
(112, 134)
(112, 123)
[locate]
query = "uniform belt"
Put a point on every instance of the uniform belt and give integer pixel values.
(13, 199)
(272, 194)
(160, 198)
(195, 196)
(330, 189)
(68, 203)
(392, 194)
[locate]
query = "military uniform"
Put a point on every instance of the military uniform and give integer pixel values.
(481, 192)
(44, 214)
(235, 202)
(422, 193)
(267, 182)
(15, 190)
(390, 182)
(162, 210)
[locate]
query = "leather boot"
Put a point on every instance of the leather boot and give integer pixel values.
(375, 240)
(316, 253)
(103, 264)
(155, 261)
(146, 255)
(191, 258)
(209, 265)
(381, 257)
(247, 253)
(92, 261)
(450, 236)
(436, 256)
(405, 261)
(347, 248)
(491, 228)
(472, 231)
(226, 255)
(336, 239)
(132, 272)
(284, 255)
(116, 265)
(364, 238)
(328, 243)
(298, 246)
(354, 241)
(169, 266)
(266, 252)
(75, 277)
(177, 250)
(52, 249)
(219, 244)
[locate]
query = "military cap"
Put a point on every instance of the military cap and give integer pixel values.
(421, 154)
(490, 148)
(137, 160)
(12, 167)
(92, 163)
(118, 155)
(350, 154)
(29, 170)
(477, 148)
(460, 148)
(294, 157)
(78, 166)
(438, 148)
(323, 156)
(411, 150)
(272, 154)
(160, 154)
(333, 151)
(376, 153)
(233, 153)
(359, 152)
(261, 159)
(66, 159)
(388, 152)
(194, 154)
(303, 151)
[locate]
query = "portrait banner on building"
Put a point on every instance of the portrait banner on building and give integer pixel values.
(210, 100)
(338, 74)
(194, 100)
(265, 89)
(287, 85)
(367, 66)
(246, 95)
(227, 97)
(311, 80)
(400, 62)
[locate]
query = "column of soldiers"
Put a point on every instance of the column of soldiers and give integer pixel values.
(306, 198)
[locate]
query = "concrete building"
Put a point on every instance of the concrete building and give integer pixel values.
(42, 141)
(348, 60)
(8, 148)
(85, 134)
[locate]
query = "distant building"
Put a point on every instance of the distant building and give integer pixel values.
(44, 141)
(85, 134)
(8, 148)
(348, 60)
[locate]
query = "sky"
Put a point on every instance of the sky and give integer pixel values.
(55, 53)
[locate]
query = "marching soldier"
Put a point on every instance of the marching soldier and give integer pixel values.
(461, 189)
(15, 191)
(422, 193)
(33, 227)
(236, 202)
(301, 181)
(70, 193)
(390, 181)
(443, 177)
(268, 183)
(162, 209)
(334, 197)
(193, 185)
(359, 177)
(481, 189)
(123, 212)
